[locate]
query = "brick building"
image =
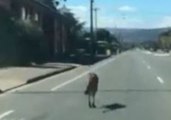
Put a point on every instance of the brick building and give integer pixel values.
(46, 17)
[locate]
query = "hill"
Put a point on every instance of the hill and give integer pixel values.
(137, 35)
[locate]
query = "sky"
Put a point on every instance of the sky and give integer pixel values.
(124, 13)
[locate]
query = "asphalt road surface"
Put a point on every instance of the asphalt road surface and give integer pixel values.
(135, 85)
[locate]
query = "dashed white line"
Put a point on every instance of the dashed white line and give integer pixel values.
(160, 80)
(6, 114)
(149, 67)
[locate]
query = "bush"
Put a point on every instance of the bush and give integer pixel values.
(32, 44)
(8, 40)
(20, 42)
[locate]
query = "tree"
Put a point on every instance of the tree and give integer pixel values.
(165, 40)
(75, 34)
(53, 3)
(21, 42)
(8, 39)
(106, 40)
(103, 35)
(50, 3)
(32, 45)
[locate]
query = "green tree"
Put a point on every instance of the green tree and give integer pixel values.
(32, 45)
(9, 38)
(165, 40)
(20, 42)
(53, 3)
(75, 34)
(103, 35)
(106, 40)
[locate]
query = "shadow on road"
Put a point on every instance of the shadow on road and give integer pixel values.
(112, 107)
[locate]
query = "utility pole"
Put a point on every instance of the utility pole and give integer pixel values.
(96, 21)
(92, 29)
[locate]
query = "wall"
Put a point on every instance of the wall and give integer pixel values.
(5, 4)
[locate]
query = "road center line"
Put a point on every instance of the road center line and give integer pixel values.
(83, 74)
(149, 67)
(6, 114)
(160, 80)
(144, 61)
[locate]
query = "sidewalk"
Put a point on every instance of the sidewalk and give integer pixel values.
(13, 77)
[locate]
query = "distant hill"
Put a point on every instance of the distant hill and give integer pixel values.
(137, 35)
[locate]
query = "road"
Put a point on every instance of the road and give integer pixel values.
(135, 85)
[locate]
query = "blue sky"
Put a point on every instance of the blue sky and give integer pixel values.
(125, 13)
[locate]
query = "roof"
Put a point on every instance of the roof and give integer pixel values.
(45, 3)
(48, 6)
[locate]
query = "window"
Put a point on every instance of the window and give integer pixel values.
(23, 13)
(36, 17)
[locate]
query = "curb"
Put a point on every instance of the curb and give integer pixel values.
(36, 79)
(48, 75)
(1, 91)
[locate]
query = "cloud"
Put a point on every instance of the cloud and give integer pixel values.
(104, 20)
(127, 8)
(120, 22)
(80, 12)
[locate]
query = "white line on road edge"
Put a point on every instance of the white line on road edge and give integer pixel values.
(6, 114)
(83, 74)
(156, 54)
(52, 77)
(161, 55)
(160, 80)
(147, 52)
(68, 82)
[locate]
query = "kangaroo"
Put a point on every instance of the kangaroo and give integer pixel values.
(92, 89)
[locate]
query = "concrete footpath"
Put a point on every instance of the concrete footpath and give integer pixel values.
(13, 77)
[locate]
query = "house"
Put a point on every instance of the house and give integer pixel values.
(5, 4)
(46, 17)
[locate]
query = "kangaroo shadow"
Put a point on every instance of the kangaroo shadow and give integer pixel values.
(112, 107)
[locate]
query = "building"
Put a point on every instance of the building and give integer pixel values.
(5, 4)
(45, 16)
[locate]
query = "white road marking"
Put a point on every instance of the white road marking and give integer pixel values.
(68, 82)
(149, 67)
(161, 55)
(83, 74)
(157, 54)
(6, 114)
(52, 77)
(30, 85)
(147, 52)
(144, 62)
(160, 80)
